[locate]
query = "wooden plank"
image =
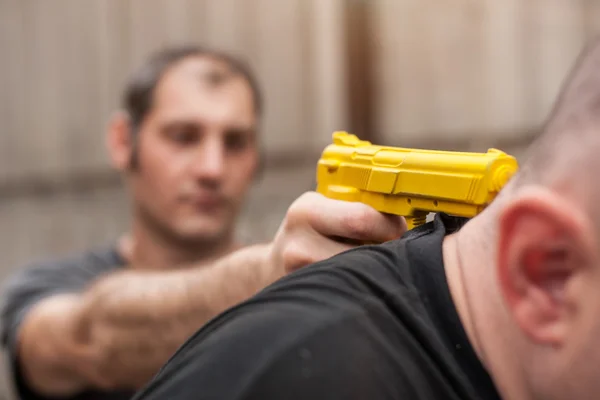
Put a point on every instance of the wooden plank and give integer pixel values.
(88, 218)
(455, 57)
(359, 59)
(508, 63)
(179, 20)
(560, 38)
(83, 79)
(115, 60)
(148, 28)
(12, 102)
(280, 67)
(39, 141)
(458, 68)
(222, 24)
(196, 20)
(401, 68)
(330, 94)
(55, 86)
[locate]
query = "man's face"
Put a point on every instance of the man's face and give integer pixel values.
(196, 152)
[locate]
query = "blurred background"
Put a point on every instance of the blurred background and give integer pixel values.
(452, 74)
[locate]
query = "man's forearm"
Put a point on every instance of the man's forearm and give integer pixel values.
(138, 319)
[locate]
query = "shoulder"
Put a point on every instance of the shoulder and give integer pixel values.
(305, 335)
(42, 278)
(267, 354)
(265, 345)
(348, 326)
(369, 272)
(70, 270)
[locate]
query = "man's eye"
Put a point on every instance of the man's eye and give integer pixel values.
(183, 136)
(236, 142)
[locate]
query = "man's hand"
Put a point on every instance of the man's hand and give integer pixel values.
(316, 227)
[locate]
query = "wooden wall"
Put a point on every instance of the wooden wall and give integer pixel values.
(65, 62)
(479, 71)
(63, 66)
(445, 73)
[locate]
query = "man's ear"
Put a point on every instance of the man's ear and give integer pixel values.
(119, 141)
(543, 246)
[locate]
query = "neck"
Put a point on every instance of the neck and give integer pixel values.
(469, 263)
(150, 251)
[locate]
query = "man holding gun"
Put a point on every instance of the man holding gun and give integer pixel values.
(504, 305)
(99, 325)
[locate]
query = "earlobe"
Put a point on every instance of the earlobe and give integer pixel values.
(541, 248)
(118, 141)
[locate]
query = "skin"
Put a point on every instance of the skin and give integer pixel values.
(533, 314)
(197, 158)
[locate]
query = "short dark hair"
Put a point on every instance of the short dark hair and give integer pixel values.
(139, 91)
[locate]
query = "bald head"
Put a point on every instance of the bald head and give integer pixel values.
(580, 94)
(567, 149)
(534, 311)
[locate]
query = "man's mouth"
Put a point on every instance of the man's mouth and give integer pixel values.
(205, 202)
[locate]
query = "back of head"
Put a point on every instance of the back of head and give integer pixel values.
(547, 262)
(565, 152)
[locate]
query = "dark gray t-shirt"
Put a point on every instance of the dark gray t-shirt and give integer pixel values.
(39, 281)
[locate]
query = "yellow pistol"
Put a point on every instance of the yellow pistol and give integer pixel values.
(412, 182)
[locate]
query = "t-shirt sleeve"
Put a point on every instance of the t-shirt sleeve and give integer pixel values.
(19, 294)
(318, 334)
(26, 288)
(244, 361)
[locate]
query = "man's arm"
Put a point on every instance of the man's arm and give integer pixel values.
(120, 331)
(320, 333)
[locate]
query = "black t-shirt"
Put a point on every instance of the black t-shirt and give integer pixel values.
(38, 281)
(376, 322)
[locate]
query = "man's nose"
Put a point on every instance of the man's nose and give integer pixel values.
(208, 162)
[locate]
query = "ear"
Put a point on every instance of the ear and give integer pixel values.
(119, 141)
(544, 245)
